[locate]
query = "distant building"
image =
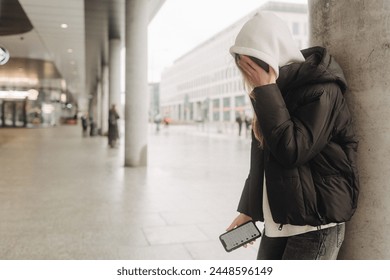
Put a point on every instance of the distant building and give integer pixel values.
(154, 100)
(205, 84)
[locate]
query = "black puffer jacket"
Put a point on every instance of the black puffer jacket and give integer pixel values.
(309, 151)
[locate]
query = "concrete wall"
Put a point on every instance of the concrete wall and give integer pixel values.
(357, 33)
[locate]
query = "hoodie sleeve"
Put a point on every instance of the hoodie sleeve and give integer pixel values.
(295, 139)
(252, 195)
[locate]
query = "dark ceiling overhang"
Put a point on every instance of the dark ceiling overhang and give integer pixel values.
(13, 19)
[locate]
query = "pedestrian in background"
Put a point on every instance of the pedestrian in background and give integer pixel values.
(248, 123)
(84, 124)
(113, 131)
(157, 121)
(303, 179)
(92, 127)
(239, 122)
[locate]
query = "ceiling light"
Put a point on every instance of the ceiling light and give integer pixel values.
(63, 97)
(64, 25)
(33, 94)
(70, 50)
(19, 94)
(19, 80)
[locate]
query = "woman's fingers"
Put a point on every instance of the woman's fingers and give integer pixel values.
(232, 225)
(250, 243)
(247, 67)
(239, 220)
(250, 64)
(256, 75)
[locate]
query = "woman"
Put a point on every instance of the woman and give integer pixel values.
(113, 131)
(303, 181)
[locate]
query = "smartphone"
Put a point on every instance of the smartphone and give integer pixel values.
(261, 63)
(239, 236)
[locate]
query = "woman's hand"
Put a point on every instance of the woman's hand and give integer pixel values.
(239, 220)
(256, 75)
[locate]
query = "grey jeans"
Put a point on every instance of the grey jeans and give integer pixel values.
(323, 244)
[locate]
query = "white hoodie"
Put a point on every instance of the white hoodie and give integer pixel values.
(268, 38)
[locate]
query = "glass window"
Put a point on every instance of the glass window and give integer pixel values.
(240, 101)
(216, 110)
(226, 109)
(191, 107)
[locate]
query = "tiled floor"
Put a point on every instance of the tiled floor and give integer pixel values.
(63, 196)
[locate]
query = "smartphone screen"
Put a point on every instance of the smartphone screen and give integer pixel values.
(239, 236)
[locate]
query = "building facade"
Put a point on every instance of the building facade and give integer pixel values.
(205, 85)
(154, 100)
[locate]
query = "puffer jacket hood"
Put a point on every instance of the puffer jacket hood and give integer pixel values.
(319, 67)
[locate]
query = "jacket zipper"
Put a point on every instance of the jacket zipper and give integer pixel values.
(280, 227)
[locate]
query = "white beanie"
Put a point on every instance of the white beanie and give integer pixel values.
(268, 38)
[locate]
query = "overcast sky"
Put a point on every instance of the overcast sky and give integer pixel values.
(181, 25)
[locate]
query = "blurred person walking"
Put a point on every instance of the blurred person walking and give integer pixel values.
(84, 124)
(92, 127)
(239, 122)
(113, 131)
(157, 121)
(303, 179)
(248, 123)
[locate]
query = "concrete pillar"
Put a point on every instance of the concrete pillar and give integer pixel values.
(115, 75)
(136, 105)
(105, 100)
(357, 33)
